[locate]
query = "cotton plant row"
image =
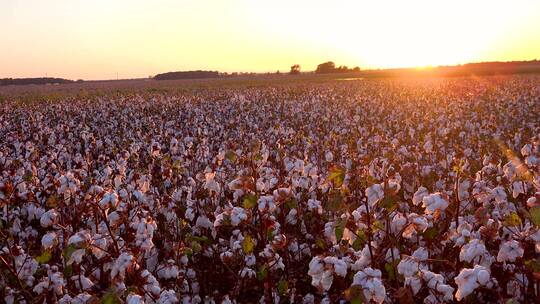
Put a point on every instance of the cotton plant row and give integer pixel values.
(386, 191)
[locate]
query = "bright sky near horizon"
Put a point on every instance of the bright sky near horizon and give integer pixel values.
(133, 38)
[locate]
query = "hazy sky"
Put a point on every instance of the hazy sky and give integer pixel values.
(96, 39)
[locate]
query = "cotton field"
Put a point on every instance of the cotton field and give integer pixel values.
(367, 191)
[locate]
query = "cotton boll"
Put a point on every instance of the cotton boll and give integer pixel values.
(49, 240)
(374, 194)
(419, 195)
(434, 202)
(509, 251)
(49, 218)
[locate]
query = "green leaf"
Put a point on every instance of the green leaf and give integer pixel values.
(533, 265)
(390, 270)
(355, 295)
(512, 220)
(283, 286)
(231, 156)
(357, 244)
(339, 227)
(68, 270)
(431, 233)
(27, 177)
(389, 203)
(250, 200)
(247, 244)
(68, 251)
(196, 247)
(262, 273)
(321, 244)
(291, 204)
(110, 298)
(335, 202)
(534, 213)
(377, 225)
(44, 258)
(337, 175)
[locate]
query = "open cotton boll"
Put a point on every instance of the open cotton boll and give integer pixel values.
(49, 240)
(509, 251)
(134, 299)
(374, 194)
(419, 195)
(370, 281)
(470, 279)
(434, 202)
(203, 222)
(49, 218)
(109, 200)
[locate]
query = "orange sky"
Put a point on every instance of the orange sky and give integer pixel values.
(98, 39)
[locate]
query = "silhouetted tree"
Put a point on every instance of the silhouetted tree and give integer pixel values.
(295, 69)
(327, 67)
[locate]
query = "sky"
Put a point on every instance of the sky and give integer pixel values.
(106, 39)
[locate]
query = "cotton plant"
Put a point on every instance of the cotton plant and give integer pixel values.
(246, 194)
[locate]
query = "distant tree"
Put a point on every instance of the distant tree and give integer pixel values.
(327, 67)
(356, 69)
(295, 69)
(278, 72)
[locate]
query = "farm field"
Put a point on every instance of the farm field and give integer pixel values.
(285, 189)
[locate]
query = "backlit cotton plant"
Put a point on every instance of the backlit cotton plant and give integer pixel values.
(381, 191)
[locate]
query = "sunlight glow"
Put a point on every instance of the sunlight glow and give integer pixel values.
(97, 39)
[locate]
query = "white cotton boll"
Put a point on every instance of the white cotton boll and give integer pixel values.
(121, 264)
(308, 299)
(266, 203)
(414, 283)
(434, 202)
(330, 232)
(291, 217)
(41, 287)
(203, 222)
(421, 254)
(49, 218)
(475, 248)
(247, 273)
(428, 146)
(526, 150)
(134, 299)
(499, 194)
(483, 276)
(211, 184)
(372, 287)
(392, 254)
(510, 251)
(398, 222)
(329, 156)
(470, 279)
(518, 187)
(167, 297)
(80, 238)
(419, 195)
(408, 266)
(110, 199)
(113, 218)
(49, 240)
(340, 268)
(82, 282)
(76, 256)
(374, 194)
(315, 206)
(238, 215)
